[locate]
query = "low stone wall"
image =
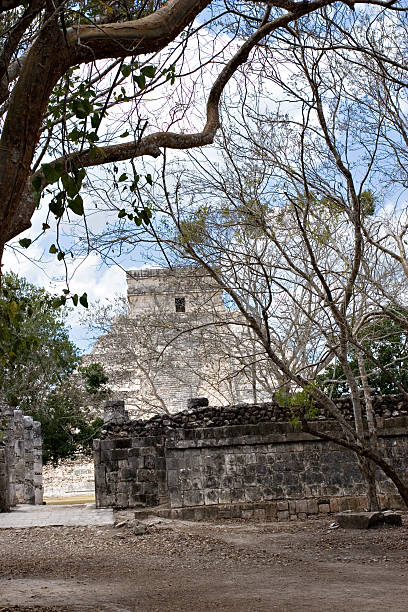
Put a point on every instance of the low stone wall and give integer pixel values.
(20, 459)
(130, 473)
(239, 468)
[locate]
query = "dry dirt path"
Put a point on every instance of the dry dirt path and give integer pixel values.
(231, 566)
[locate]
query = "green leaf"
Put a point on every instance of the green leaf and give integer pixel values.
(81, 108)
(75, 135)
(140, 80)
(51, 173)
(148, 71)
(146, 216)
(95, 120)
(92, 137)
(37, 198)
(70, 185)
(135, 182)
(56, 205)
(60, 255)
(53, 249)
(124, 135)
(83, 300)
(80, 175)
(122, 213)
(77, 205)
(126, 70)
(45, 226)
(122, 177)
(25, 242)
(59, 301)
(74, 299)
(149, 179)
(36, 182)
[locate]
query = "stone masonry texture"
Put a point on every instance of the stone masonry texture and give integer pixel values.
(20, 459)
(238, 459)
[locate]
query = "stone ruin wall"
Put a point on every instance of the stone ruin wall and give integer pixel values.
(20, 459)
(240, 461)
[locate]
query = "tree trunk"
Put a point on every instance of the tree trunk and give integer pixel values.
(368, 470)
(368, 467)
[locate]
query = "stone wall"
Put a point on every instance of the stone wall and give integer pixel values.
(267, 466)
(70, 478)
(4, 482)
(20, 459)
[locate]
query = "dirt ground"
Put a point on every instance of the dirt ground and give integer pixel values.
(180, 565)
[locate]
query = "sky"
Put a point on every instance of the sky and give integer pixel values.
(98, 278)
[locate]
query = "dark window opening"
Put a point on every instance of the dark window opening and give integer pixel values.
(180, 304)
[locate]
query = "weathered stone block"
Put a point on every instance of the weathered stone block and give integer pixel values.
(172, 478)
(301, 506)
(129, 474)
(359, 520)
(150, 462)
(193, 498)
(107, 444)
(175, 497)
(117, 454)
(253, 494)
(392, 518)
(292, 506)
(144, 475)
(211, 496)
(312, 507)
(237, 495)
(224, 496)
(123, 443)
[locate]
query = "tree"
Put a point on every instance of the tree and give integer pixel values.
(288, 222)
(39, 373)
(386, 340)
(69, 421)
(62, 68)
(36, 352)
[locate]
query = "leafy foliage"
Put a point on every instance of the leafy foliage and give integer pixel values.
(35, 349)
(388, 342)
(300, 403)
(38, 370)
(94, 377)
(65, 425)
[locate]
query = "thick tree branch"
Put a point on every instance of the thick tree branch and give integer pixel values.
(8, 5)
(152, 143)
(13, 39)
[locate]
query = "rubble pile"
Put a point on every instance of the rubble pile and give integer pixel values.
(199, 416)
